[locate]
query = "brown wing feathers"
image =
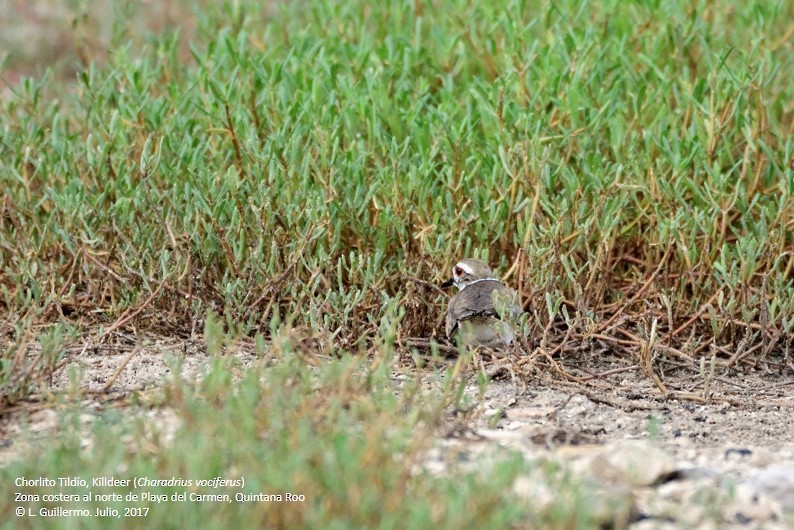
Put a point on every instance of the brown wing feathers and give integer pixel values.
(474, 301)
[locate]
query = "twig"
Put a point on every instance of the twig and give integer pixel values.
(238, 155)
(616, 341)
(647, 356)
(561, 345)
(427, 284)
(103, 267)
(737, 385)
(740, 354)
(121, 366)
(274, 284)
(617, 403)
(676, 353)
(698, 314)
(521, 265)
(608, 372)
(641, 290)
(556, 366)
(227, 249)
(124, 319)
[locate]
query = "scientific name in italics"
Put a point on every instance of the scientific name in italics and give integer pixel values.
(174, 482)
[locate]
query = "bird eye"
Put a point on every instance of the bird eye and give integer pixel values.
(458, 271)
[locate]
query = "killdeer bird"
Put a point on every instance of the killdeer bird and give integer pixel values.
(483, 307)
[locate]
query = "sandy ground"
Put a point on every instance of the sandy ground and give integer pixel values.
(736, 449)
(738, 446)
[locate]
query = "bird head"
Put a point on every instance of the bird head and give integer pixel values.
(467, 271)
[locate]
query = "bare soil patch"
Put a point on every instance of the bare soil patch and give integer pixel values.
(743, 430)
(732, 453)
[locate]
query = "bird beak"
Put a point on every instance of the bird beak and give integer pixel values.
(447, 283)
